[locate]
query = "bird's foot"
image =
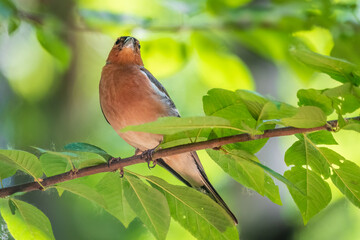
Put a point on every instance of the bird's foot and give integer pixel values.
(113, 160)
(148, 157)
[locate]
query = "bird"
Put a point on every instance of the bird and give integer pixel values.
(131, 95)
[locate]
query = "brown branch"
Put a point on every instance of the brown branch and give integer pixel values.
(121, 163)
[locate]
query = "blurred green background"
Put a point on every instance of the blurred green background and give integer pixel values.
(52, 52)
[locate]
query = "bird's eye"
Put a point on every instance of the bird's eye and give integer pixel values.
(139, 46)
(117, 41)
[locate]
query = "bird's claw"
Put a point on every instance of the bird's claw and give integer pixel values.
(112, 160)
(148, 157)
(154, 164)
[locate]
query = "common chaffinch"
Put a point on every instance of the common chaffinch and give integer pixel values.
(131, 95)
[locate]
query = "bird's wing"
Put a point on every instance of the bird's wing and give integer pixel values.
(161, 91)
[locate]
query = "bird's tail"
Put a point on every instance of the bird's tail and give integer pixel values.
(207, 187)
(210, 190)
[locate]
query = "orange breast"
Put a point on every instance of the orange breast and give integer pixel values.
(126, 97)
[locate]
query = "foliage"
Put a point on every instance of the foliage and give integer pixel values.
(309, 38)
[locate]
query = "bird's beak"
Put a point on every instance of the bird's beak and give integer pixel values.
(129, 42)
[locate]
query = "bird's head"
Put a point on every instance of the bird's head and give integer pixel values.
(126, 50)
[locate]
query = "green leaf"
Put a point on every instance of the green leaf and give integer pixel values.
(339, 69)
(172, 125)
(19, 160)
(86, 147)
(304, 153)
(7, 167)
(306, 117)
(253, 101)
(312, 97)
(318, 193)
(345, 176)
(352, 125)
(229, 105)
(28, 222)
(240, 168)
(55, 163)
(319, 137)
(345, 98)
(269, 183)
(111, 188)
(54, 45)
(350, 104)
(13, 24)
(317, 39)
(245, 168)
(218, 99)
(82, 190)
(275, 110)
(148, 204)
(186, 137)
(12, 206)
(196, 212)
(272, 190)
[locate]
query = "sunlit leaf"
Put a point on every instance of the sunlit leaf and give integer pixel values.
(317, 39)
(171, 125)
(232, 160)
(241, 169)
(271, 190)
(339, 69)
(306, 117)
(318, 193)
(312, 97)
(27, 223)
(247, 170)
(181, 138)
(84, 191)
(196, 212)
(55, 163)
(112, 190)
(19, 160)
(148, 204)
(352, 125)
(229, 105)
(304, 153)
(319, 137)
(345, 176)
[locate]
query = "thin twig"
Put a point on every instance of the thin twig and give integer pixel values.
(121, 163)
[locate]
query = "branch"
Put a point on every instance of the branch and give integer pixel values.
(121, 163)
